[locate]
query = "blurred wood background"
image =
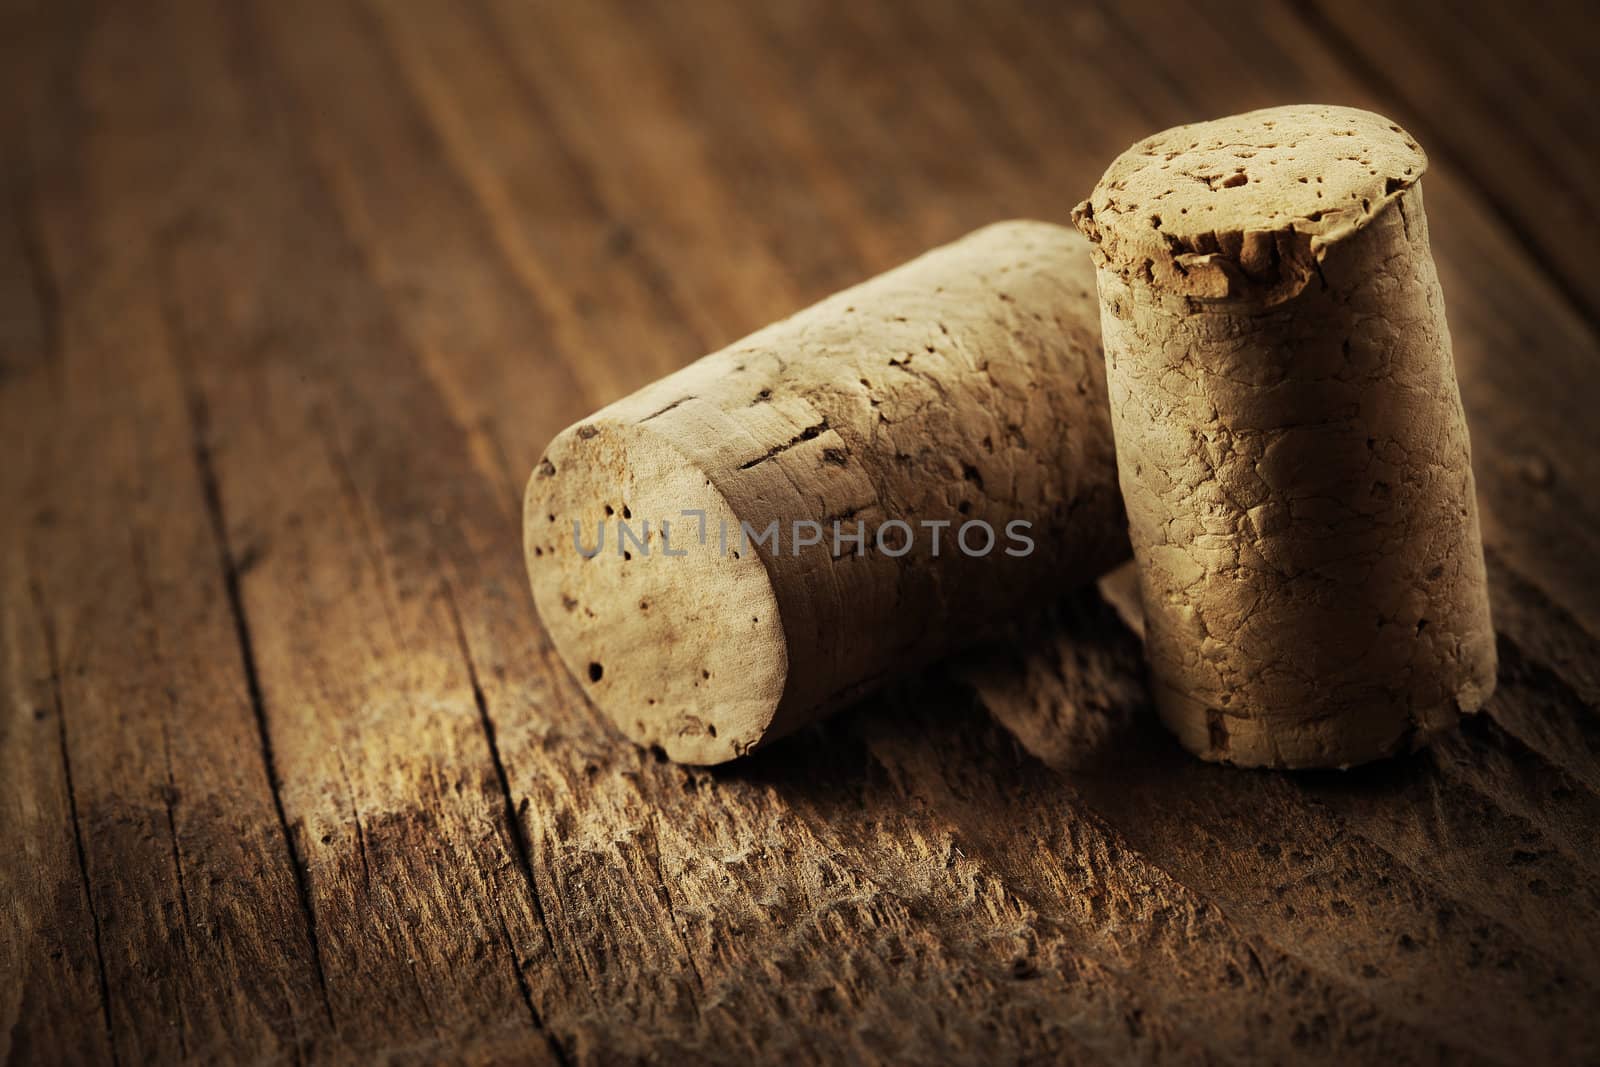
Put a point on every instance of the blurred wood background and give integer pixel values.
(292, 295)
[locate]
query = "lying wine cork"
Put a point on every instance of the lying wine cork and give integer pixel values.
(840, 497)
(1290, 438)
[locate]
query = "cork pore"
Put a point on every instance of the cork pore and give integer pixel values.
(1245, 208)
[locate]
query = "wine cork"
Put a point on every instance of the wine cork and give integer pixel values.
(1291, 443)
(932, 448)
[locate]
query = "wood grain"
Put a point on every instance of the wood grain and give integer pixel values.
(294, 294)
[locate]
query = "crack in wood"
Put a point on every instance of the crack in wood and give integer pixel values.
(54, 661)
(514, 828)
(211, 493)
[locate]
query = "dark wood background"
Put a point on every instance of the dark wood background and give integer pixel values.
(295, 292)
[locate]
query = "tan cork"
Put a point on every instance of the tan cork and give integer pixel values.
(1291, 443)
(966, 386)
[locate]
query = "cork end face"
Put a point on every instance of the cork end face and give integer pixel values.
(672, 630)
(1245, 207)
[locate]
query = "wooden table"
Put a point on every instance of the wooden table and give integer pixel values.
(295, 292)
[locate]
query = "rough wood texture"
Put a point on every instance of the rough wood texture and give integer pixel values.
(293, 295)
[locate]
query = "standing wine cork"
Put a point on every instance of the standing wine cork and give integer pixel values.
(763, 536)
(1291, 443)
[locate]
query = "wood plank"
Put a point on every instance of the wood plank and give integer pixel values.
(113, 572)
(56, 1003)
(341, 270)
(341, 461)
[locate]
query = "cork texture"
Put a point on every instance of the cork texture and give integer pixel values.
(967, 386)
(1291, 442)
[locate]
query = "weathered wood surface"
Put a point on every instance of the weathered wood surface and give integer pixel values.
(293, 294)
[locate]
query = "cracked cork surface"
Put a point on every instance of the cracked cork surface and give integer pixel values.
(1291, 443)
(965, 386)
